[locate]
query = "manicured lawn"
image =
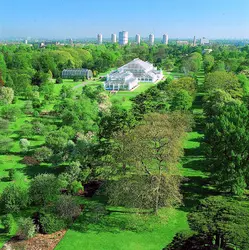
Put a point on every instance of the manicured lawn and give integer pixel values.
(123, 97)
(102, 237)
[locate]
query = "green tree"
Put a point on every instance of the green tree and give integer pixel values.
(13, 199)
(10, 112)
(181, 100)
(153, 148)
(43, 189)
(26, 228)
(208, 63)
(43, 154)
(6, 95)
(225, 81)
(225, 220)
(227, 143)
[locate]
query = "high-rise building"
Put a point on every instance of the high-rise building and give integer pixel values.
(165, 39)
(194, 41)
(100, 38)
(114, 38)
(71, 41)
(26, 41)
(138, 39)
(151, 39)
(123, 38)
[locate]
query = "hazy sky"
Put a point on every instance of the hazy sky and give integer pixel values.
(86, 18)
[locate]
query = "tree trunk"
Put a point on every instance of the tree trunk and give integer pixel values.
(157, 193)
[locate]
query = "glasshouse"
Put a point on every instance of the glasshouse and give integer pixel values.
(120, 81)
(132, 73)
(80, 73)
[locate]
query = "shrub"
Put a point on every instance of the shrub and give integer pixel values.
(24, 144)
(8, 222)
(67, 208)
(12, 174)
(76, 186)
(58, 80)
(43, 189)
(13, 199)
(43, 154)
(50, 223)
(6, 95)
(26, 228)
(10, 112)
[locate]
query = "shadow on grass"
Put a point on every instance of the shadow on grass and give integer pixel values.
(34, 170)
(97, 217)
(194, 189)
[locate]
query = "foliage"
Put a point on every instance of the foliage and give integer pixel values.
(153, 148)
(51, 223)
(227, 143)
(13, 199)
(12, 172)
(6, 95)
(24, 144)
(67, 208)
(10, 112)
(8, 223)
(43, 189)
(26, 228)
(226, 220)
(43, 154)
(181, 100)
(225, 81)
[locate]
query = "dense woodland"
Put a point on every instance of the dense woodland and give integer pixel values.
(129, 158)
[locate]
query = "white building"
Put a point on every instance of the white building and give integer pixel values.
(151, 39)
(182, 42)
(114, 38)
(138, 39)
(123, 38)
(165, 39)
(204, 41)
(128, 76)
(120, 81)
(100, 38)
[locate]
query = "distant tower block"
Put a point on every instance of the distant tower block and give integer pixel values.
(26, 41)
(194, 41)
(100, 38)
(138, 39)
(114, 38)
(165, 39)
(123, 37)
(151, 39)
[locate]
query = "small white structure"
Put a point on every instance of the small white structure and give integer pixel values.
(138, 39)
(151, 39)
(165, 39)
(123, 38)
(99, 38)
(128, 76)
(182, 43)
(114, 38)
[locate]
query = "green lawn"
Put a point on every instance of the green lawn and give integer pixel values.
(111, 236)
(123, 97)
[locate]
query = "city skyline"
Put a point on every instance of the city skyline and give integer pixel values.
(180, 19)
